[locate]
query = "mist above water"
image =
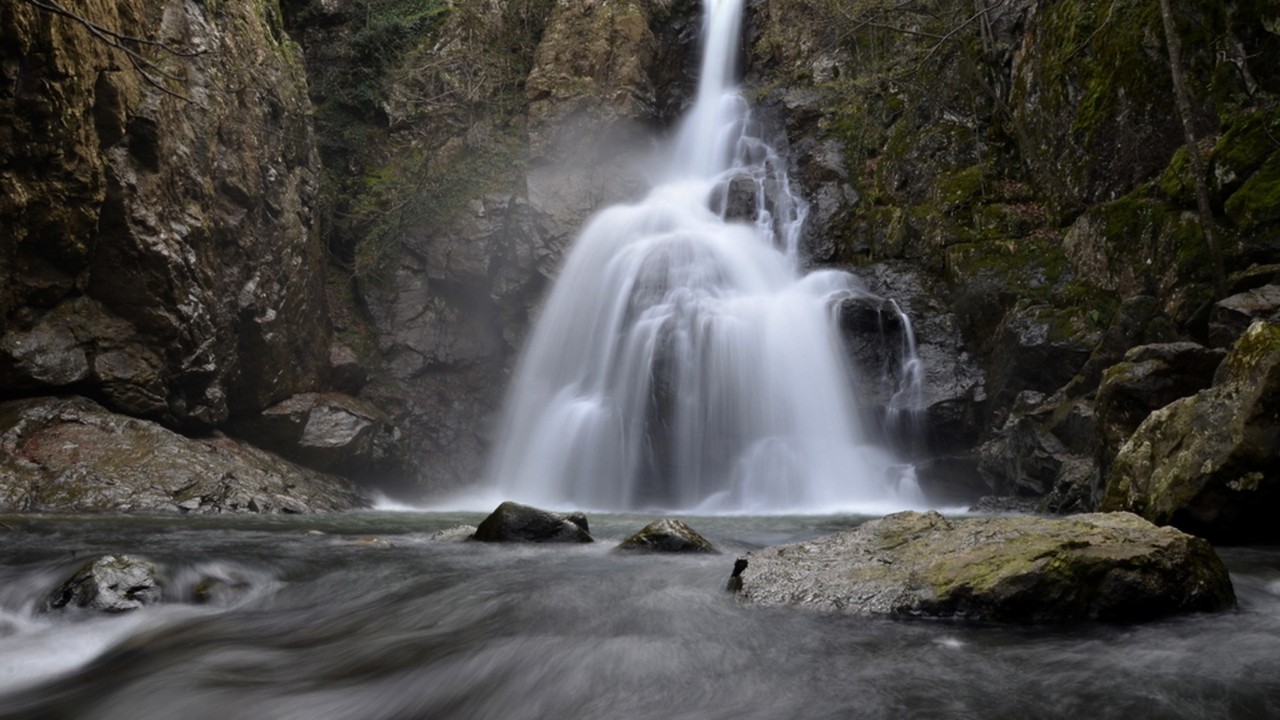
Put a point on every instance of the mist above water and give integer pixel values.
(683, 361)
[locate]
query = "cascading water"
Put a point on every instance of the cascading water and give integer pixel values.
(682, 361)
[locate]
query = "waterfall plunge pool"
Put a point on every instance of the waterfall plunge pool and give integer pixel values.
(367, 615)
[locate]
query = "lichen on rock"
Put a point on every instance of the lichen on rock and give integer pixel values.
(1114, 567)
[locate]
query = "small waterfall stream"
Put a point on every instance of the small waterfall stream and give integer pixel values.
(683, 360)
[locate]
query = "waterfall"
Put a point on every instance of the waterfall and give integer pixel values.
(682, 360)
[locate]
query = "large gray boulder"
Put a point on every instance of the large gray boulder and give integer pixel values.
(110, 583)
(1113, 566)
(70, 454)
(1210, 463)
(513, 522)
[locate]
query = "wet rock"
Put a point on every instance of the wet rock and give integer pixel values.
(513, 522)
(1019, 569)
(1005, 504)
(221, 584)
(70, 454)
(1036, 349)
(1208, 463)
(346, 373)
(111, 583)
(953, 395)
(667, 536)
(1149, 377)
(457, 532)
(330, 432)
(158, 248)
(1232, 316)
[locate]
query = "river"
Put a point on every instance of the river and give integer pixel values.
(369, 615)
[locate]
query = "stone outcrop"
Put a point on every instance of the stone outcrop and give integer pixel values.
(1111, 566)
(667, 536)
(1149, 377)
(71, 455)
(158, 251)
(110, 583)
(330, 432)
(1231, 316)
(1209, 463)
(513, 522)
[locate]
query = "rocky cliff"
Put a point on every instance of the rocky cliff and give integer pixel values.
(160, 184)
(213, 226)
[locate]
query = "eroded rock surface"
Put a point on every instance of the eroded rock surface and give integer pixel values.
(1109, 566)
(70, 454)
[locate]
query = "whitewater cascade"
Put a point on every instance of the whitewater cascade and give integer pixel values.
(682, 360)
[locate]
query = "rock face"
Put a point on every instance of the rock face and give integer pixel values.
(1149, 377)
(70, 454)
(667, 536)
(513, 522)
(111, 583)
(158, 251)
(1114, 567)
(330, 432)
(1209, 463)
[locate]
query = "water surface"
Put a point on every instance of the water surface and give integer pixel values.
(367, 615)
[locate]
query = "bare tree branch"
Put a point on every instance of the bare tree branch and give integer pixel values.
(151, 73)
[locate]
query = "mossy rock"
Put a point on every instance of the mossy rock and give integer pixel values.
(667, 536)
(1114, 567)
(1207, 463)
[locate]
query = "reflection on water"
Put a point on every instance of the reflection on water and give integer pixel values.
(333, 624)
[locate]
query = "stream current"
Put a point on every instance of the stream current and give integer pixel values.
(333, 624)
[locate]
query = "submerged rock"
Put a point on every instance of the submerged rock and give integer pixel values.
(1209, 463)
(1113, 566)
(513, 522)
(667, 536)
(111, 583)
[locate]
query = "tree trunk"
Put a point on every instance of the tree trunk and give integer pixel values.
(1174, 44)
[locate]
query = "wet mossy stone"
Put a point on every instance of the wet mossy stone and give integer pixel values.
(1208, 463)
(1012, 568)
(513, 522)
(110, 583)
(667, 536)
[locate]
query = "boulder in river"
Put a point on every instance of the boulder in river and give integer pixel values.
(1101, 566)
(110, 583)
(513, 522)
(667, 536)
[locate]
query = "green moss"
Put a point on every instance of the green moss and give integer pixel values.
(410, 195)
(1176, 183)
(1258, 347)
(1257, 202)
(961, 188)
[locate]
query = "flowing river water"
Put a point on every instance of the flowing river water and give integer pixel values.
(369, 615)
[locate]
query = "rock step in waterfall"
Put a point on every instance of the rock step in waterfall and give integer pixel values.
(682, 359)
